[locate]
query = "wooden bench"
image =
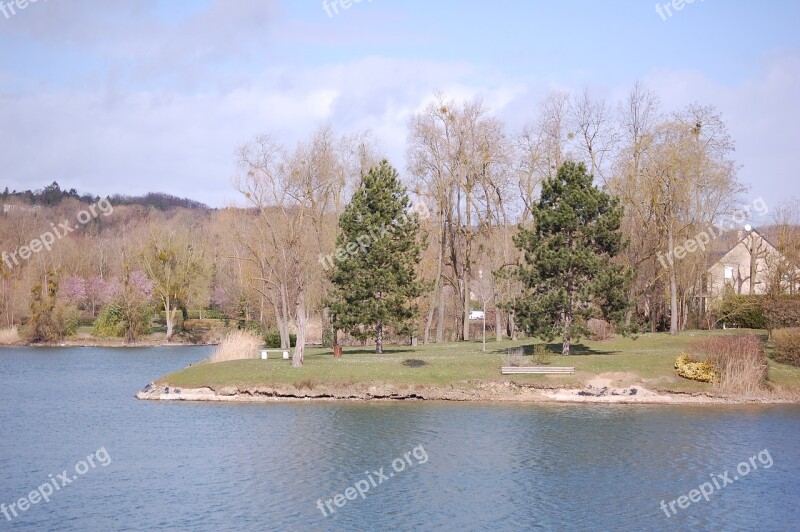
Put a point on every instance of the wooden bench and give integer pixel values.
(265, 353)
(536, 370)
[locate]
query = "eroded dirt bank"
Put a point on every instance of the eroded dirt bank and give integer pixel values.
(509, 392)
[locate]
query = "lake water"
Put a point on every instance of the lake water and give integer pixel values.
(193, 466)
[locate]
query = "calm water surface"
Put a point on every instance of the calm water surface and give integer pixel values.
(184, 466)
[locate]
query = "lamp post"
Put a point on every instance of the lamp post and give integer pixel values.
(483, 297)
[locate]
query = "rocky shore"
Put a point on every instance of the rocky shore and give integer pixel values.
(597, 391)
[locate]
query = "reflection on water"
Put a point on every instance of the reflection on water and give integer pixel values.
(503, 467)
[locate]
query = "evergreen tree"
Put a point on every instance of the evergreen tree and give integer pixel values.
(567, 271)
(374, 267)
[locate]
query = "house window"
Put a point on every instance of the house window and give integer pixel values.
(728, 272)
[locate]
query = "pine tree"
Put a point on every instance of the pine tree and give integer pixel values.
(374, 267)
(567, 271)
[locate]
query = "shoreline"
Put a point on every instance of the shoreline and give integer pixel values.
(486, 392)
(108, 344)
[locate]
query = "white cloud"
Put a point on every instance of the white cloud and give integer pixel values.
(762, 115)
(160, 105)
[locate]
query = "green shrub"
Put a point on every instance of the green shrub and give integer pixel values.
(743, 311)
(118, 319)
(694, 370)
(49, 320)
(272, 339)
(110, 322)
(253, 327)
(541, 355)
(787, 346)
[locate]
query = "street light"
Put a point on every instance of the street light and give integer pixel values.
(483, 297)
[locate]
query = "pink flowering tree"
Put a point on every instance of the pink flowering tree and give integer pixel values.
(100, 292)
(141, 285)
(73, 291)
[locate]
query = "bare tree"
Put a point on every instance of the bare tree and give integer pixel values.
(291, 195)
(591, 122)
(692, 182)
(456, 153)
(783, 268)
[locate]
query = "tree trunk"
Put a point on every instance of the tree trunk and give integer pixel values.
(684, 312)
(301, 319)
(673, 287)
(567, 326)
(512, 326)
(440, 316)
(498, 318)
(279, 322)
(170, 316)
(438, 290)
(283, 324)
(753, 264)
(379, 338)
(465, 336)
(467, 255)
(429, 321)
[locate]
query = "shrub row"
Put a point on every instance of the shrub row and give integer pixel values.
(743, 311)
(782, 312)
(760, 311)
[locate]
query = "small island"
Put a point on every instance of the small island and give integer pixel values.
(620, 370)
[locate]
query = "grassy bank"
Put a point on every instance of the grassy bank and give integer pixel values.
(647, 360)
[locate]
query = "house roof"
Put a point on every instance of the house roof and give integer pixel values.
(774, 235)
(722, 245)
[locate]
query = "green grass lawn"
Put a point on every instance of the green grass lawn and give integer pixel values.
(648, 359)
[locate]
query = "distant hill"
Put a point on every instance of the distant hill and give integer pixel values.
(157, 200)
(53, 195)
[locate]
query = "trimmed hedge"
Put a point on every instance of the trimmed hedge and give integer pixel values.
(744, 311)
(782, 312)
(760, 311)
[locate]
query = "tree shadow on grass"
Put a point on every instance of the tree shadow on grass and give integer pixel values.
(387, 351)
(575, 350)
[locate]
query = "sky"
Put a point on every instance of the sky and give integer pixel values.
(112, 96)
